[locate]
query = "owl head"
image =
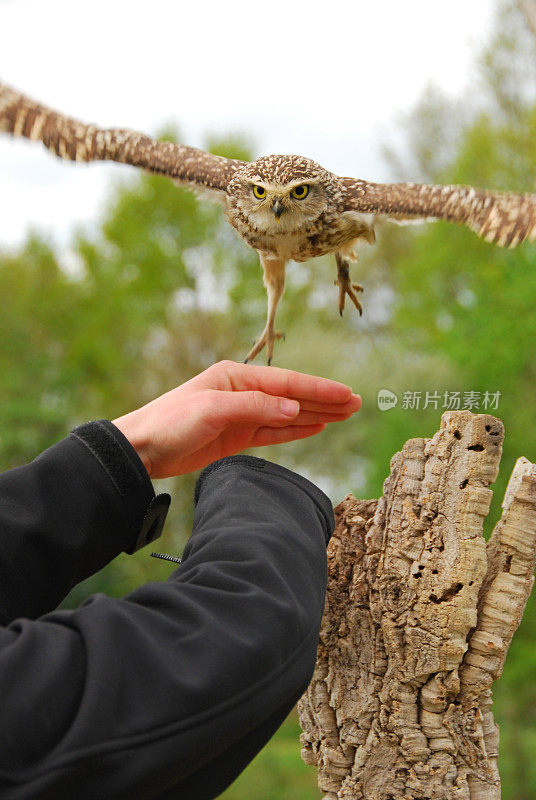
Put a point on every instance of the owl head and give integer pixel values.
(279, 194)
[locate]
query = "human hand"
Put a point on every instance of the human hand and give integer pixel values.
(228, 408)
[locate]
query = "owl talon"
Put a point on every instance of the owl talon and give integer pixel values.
(266, 339)
(346, 287)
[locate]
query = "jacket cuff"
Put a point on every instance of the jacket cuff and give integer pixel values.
(127, 473)
(321, 500)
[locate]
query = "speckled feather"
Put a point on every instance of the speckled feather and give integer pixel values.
(332, 215)
(75, 141)
(506, 219)
(502, 218)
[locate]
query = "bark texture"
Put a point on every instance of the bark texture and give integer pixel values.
(419, 616)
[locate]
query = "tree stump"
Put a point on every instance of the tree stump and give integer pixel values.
(419, 615)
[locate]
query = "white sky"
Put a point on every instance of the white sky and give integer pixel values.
(324, 80)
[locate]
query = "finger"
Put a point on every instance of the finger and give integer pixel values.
(350, 406)
(250, 408)
(276, 381)
(315, 418)
(267, 436)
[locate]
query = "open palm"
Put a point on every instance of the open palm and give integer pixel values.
(229, 408)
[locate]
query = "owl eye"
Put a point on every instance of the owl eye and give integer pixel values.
(299, 192)
(259, 192)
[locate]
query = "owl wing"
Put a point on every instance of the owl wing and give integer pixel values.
(502, 218)
(76, 141)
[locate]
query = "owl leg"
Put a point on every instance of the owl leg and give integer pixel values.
(274, 280)
(346, 287)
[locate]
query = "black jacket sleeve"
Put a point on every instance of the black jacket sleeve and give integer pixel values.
(170, 691)
(68, 513)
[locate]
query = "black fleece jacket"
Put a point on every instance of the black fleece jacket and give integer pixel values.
(170, 691)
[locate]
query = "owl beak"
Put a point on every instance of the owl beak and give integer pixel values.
(278, 208)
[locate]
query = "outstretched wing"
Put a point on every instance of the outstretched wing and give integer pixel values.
(75, 141)
(502, 218)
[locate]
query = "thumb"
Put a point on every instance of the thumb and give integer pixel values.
(257, 408)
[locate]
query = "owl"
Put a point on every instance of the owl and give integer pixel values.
(286, 207)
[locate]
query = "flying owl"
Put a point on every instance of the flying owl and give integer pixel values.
(286, 207)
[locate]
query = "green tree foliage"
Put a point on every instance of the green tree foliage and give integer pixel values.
(162, 287)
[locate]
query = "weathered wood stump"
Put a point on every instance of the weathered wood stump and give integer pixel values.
(419, 615)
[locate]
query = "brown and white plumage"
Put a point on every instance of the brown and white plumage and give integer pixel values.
(76, 141)
(299, 211)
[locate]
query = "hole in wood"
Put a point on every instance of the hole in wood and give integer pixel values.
(477, 447)
(448, 594)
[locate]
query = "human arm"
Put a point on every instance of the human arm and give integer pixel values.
(87, 498)
(171, 690)
(175, 687)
